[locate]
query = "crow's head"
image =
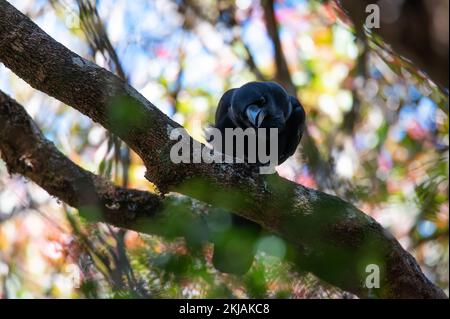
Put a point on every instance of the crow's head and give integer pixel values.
(261, 105)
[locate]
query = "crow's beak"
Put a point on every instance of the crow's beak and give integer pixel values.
(255, 115)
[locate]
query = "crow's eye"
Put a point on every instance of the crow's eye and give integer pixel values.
(261, 101)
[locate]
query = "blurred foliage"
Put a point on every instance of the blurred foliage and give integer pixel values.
(380, 124)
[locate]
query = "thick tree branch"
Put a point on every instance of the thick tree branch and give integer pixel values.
(333, 239)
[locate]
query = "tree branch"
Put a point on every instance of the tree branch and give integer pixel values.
(27, 152)
(421, 41)
(321, 168)
(333, 239)
(282, 71)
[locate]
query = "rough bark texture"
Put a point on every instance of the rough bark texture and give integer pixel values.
(332, 238)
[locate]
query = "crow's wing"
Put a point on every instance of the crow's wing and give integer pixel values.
(222, 117)
(292, 134)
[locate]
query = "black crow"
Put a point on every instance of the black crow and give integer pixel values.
(254, 105)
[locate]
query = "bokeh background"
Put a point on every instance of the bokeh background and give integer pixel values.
(378, 137)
